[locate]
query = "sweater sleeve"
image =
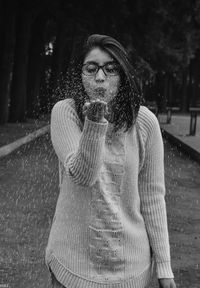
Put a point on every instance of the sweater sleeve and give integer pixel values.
(152, 194)
(79, 151)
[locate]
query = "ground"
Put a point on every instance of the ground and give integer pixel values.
(29, 190)
(10, 132)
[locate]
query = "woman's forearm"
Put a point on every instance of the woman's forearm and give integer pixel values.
(152, 195)
(84, 164)
(79, 150)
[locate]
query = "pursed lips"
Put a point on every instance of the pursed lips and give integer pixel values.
(100, 89)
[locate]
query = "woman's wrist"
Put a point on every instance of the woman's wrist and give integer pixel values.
(103, 120)
(94, 119)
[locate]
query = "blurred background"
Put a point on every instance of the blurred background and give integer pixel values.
(38, 39)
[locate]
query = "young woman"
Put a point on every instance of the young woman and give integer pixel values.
(110, 223)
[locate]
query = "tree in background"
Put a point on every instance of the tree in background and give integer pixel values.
(40, 38)
(7, 19)
(18, 97)
(172, 41)
(35, 65)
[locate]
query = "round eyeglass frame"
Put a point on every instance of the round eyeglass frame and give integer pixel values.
(101, 67)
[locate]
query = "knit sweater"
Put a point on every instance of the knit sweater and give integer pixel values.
(110, 216)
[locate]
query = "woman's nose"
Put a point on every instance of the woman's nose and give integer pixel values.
(100, 76)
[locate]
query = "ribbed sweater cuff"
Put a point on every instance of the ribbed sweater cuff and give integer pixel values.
(164, 270)
(93, 129)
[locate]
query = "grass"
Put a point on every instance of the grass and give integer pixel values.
(11, 132)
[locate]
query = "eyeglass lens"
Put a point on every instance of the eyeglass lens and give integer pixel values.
(93, 68)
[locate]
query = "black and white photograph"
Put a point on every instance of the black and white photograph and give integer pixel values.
(100, 144)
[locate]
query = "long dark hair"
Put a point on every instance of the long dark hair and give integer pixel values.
(126, 104)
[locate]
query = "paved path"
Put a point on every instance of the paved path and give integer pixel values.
(28, 179)
(29, 190)
(178, 132)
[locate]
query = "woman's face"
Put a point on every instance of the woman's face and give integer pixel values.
(96, 83)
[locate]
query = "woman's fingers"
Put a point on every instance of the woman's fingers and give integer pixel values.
(85, 107)
(95, 109)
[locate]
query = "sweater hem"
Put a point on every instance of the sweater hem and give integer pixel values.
(72, 280)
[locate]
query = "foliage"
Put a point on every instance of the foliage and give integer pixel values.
(165, 34)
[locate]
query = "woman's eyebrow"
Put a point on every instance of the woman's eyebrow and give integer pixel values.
(90, 62)
(94, 62)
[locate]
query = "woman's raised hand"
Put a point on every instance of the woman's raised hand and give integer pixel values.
(95, 110)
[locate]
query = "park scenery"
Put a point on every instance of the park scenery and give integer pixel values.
(38, 41)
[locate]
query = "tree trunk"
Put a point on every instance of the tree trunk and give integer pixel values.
(18, 89)
(56, 69)
(73, 40)
(170, 90)
(35, 64)
(195, 90)
(184, 101)
(165, 92)
(7, 52)
(196, 76)
(158, 88)
(190, 84)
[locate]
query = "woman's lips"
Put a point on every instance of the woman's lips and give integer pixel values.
(100, 91)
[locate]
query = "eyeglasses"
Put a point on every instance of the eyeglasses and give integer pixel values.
(109, 69)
